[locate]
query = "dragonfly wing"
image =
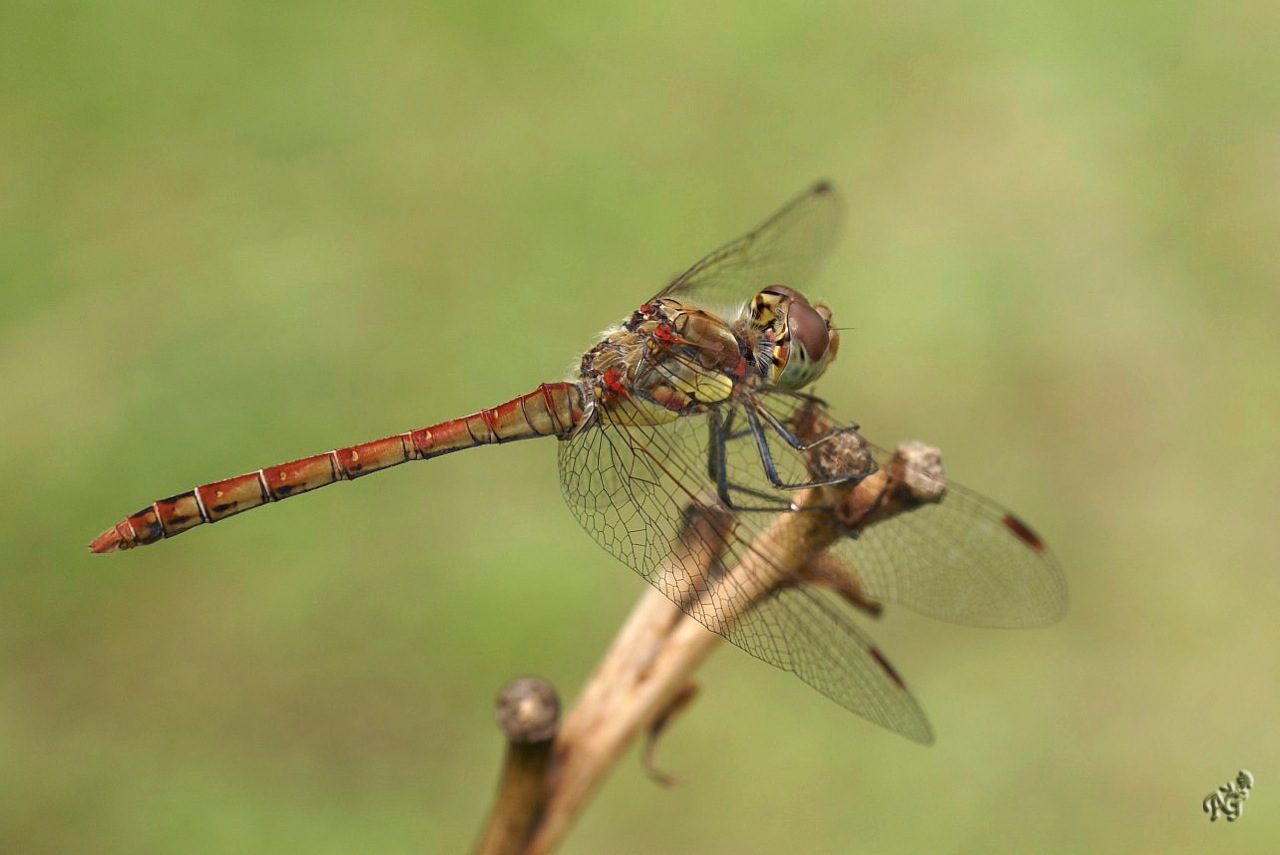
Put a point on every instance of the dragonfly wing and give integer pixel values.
(639, 490)
(787, 249)
(810, 632)
(965, 559)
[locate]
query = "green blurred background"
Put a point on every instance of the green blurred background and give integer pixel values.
(236, 233)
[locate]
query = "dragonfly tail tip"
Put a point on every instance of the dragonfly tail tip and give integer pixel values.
(109, 541)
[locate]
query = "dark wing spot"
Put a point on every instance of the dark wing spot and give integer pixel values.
(888, 669)
(1023, 532)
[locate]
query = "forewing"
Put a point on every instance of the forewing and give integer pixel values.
(787, 249)
(965, 559)
(639, 491)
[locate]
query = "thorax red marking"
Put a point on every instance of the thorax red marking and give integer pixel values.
(613, 378)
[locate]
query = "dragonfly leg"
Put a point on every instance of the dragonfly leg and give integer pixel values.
(716, 429)
(811, 400)
(807, 397)
(717, 469)
(766, 456)
(790, 437)
(732, 494)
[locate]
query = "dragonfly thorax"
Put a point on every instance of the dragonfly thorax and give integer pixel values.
(669, 359)
(673, 359)
(796, 341)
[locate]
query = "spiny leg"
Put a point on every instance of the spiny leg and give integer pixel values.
(717, 468)
(766, 455)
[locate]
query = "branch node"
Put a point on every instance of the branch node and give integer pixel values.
(529, 715)
(528, 711)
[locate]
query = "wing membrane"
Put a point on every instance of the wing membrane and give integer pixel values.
(787, 249)
(634, 489)
(965, 560)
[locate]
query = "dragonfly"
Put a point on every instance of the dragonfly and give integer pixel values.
(692, 449)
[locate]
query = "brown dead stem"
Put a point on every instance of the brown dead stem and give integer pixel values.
(642, 677)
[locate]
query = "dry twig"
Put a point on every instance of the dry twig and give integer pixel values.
(646, 672)
(529, 714)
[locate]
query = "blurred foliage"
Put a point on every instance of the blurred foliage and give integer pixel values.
(233, 233)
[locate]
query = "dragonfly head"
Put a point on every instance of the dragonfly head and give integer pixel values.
(797, 342)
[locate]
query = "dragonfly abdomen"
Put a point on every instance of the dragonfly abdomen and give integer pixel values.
(553, 409)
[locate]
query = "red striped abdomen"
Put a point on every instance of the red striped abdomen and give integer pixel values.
(554, 409)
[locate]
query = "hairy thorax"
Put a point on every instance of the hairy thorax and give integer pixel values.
(667, 360)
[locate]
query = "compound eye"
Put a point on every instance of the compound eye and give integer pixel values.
(810, 329)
